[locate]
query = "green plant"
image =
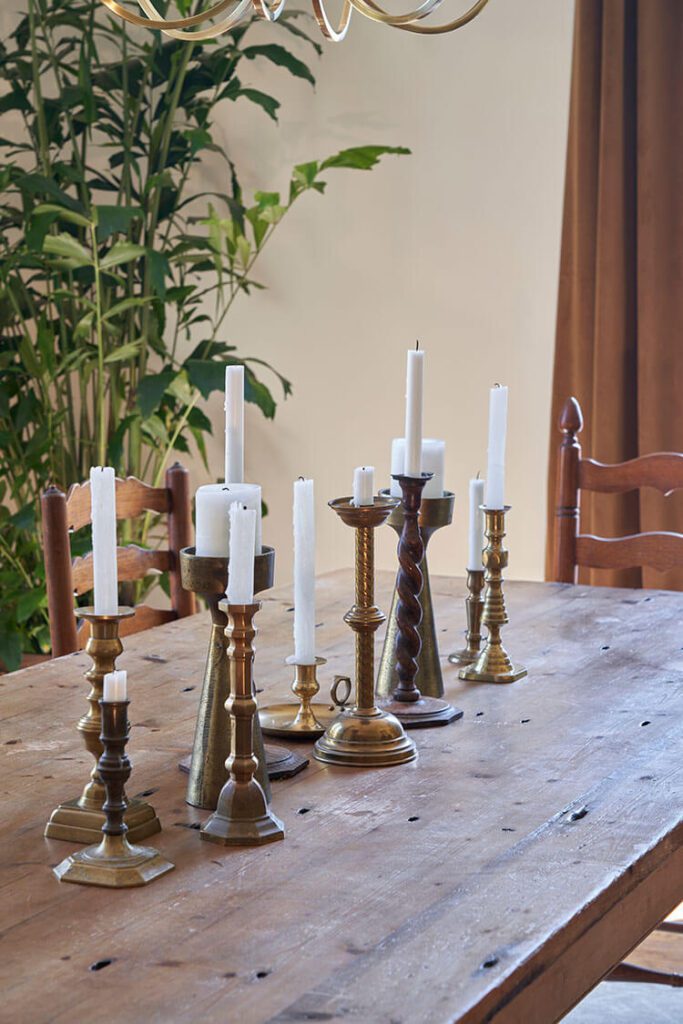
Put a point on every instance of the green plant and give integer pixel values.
(116, 275)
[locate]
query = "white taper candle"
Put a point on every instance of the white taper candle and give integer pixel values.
(241, 575)
(114, 686)
(364, 485)
(234, 424)
(414, 387)
(476, 526)
(103, 513)
(304, 573)
(495, 477)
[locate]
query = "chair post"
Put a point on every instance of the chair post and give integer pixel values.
(567, 507)
(179, 535)
(58, 579)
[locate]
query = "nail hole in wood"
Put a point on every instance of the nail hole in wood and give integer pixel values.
(262, 974)
(414, 817)
(508, 829)
(154, 657)
(581, 812)
(230, 974)
(99, 964)
(479, 714)
(303, 810)
(490, 961)
(186, 824)
(289, 609)
(187, 689)
(605, 648)
(524, 720)
(148, 792)
(646, 722)
(11, 743)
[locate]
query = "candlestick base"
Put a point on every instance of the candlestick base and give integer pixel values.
(365, 739)
(228, 831)
(74, 823)
(306, 720)
(488, 670)
(423, 713)
(113, 864)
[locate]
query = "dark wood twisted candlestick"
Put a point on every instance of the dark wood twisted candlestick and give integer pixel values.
(114, 863)
(407, 702)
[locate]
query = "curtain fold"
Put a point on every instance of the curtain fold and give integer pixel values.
(619, 348)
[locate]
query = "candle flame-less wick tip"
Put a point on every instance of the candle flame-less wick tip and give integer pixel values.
(478, 473)
(496, 385)
(417, 344)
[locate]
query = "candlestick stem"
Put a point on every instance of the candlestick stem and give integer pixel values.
(493, 665)
(474, 608)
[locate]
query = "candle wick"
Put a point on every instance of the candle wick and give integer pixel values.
(226, 488)
(417, 344)
(302, 478)
(478, 473)
(496, 385)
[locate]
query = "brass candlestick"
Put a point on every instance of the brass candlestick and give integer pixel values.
(365, 736)
(434, 513)
(242, 816)
(208, 577)
(80, 820)
(407, 702)
(114, 863)
(307, 720)
(493, 664)
(474, 607)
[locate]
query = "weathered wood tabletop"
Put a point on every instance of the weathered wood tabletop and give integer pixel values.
(498, 878)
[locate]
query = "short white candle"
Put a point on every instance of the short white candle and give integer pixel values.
(433, 461)
(476, 531)
(234, 424)
(241, 575)
(103, 514)
(364, 485)
(495, 477)
(212, 516)
(304, 573)
(114, 686)
(414, 386)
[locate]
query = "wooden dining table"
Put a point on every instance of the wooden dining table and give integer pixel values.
(497, 878)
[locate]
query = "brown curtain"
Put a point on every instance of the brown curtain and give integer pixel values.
(619, 344)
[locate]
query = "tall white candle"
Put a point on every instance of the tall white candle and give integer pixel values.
(241, 576)
(364, 485)
(304, 573)
(114, 686)
(495, 477)
(212, 518)
(103, 512)
(414, 378)
(476, 531)
(234, 424)
(433, 461)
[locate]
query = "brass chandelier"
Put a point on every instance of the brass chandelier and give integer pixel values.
(223, 15)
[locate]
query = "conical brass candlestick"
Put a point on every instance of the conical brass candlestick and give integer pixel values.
(474, 608)
(493, 664)
(365, 736)
(242, 816)
(114, 863)
(80, 820)
(407, 702)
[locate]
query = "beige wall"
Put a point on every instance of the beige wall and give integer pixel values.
(456, 245)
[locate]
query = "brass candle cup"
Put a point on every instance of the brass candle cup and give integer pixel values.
(474, 608)
(303, 721)
(242, 816)
(208, 577)
(365, 736)
(80, 820)
(493, 664)
(405, 699)
(114, 863)
(434, 514)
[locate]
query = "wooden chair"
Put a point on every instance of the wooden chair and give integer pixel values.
(67, 578)
(571, 549)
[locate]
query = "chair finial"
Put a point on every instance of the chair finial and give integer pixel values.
(571, 417)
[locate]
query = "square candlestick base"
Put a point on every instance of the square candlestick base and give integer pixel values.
(241, 832)
(76, 824)
(113, 864)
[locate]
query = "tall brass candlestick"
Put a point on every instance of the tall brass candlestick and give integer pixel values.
(493, 664)
(407, 702)
(114, 863)
(365, 736)
(242, 816)
(474, 608)
(80, 820)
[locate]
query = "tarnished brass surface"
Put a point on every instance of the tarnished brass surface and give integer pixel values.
(493, 664)
(474, 608)
(80, 819)
(242, 816)
(305, 720)
(434, 514)
(365, 736)
(208, 577)
(113, 863)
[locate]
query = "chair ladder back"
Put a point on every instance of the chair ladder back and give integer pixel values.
(567, 508)
(661, 470)
(58, 574)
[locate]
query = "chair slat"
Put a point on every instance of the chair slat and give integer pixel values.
(661, 470)
(133, 563)
(660, 551)
(133, 497)
(145, 617)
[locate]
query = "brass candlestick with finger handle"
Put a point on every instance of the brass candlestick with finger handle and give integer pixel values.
(365, 735)
(308, 719)
(80, 820)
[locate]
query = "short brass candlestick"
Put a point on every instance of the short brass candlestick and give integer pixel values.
(80, 820)
(365, 735)
(242, 816)
(306, 720)
(434, 514)
(208, 577)
(474, 608)
(493, 664)
(407, 702)
(114, 862)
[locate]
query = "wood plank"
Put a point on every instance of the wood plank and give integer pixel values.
(658, 550)
(133, 562)
(660, 470)
(133, 497)
(395, 888)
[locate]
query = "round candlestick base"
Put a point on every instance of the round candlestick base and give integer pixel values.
(360, 739)
(423, 713)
